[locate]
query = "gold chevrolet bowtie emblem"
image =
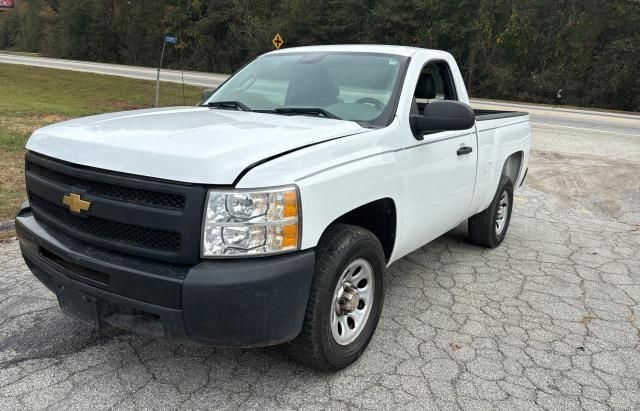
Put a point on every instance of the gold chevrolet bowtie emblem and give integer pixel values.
(75, 203)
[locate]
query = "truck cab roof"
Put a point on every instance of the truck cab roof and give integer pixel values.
(404, 51)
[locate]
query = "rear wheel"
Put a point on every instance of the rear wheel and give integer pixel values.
(489, 228)
(346, 299)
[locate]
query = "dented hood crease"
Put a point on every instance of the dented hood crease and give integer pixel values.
(188, 144)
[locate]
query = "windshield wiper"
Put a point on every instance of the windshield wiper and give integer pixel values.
(306, 110)
(229, 104)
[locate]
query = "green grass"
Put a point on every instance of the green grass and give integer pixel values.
(32, 97)
(12, 142)
(40, 91)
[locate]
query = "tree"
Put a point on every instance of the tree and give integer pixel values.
(507, 49)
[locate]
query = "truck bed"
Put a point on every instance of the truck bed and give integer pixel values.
(484, 115)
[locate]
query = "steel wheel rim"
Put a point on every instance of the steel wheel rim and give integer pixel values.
(503, 212)
(357, 277)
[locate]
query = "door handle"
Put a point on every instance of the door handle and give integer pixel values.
(464, 150)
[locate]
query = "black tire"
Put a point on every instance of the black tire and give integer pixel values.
(482, 226)
(339, 246)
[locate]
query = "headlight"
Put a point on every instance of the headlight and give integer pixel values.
(250, 222)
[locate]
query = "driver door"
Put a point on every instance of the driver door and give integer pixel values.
(440, 169)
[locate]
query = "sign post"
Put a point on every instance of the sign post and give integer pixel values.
(165, 40)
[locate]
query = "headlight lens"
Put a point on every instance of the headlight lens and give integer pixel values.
(251, 222)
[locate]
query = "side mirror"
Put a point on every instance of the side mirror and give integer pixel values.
(206, 93)
(442, 116)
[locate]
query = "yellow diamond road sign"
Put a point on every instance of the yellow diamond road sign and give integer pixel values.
(277, 41)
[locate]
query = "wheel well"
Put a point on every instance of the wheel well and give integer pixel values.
(512, 166)
(379, 217)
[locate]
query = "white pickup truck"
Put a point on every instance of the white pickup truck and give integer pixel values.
(269, 212)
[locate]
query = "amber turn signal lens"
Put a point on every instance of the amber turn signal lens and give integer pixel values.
(290, 236)
(290, 204)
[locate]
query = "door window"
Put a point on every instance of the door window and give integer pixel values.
(435, 83)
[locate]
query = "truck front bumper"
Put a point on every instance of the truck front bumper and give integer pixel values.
(231, 303)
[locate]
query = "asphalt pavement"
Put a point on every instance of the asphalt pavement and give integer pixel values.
(548, 320)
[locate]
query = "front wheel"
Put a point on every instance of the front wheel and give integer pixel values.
(345, 301)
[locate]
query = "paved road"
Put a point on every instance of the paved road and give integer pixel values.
(143, 73)
(549, 320)
(545, 116)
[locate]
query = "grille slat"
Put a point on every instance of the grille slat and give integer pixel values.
(126, 234)
(112, 191)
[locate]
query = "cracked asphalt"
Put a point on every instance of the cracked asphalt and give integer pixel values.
(549, 320)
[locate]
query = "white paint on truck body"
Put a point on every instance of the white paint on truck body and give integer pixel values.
(188, 144)
(433, 189)
(337, 165)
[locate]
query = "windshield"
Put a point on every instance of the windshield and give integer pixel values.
(349, 86)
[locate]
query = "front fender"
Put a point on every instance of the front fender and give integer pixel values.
(331, 193)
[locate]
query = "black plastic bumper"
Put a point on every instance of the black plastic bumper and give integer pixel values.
(231, 303)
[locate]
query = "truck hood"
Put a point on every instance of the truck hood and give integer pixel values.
(189, 144)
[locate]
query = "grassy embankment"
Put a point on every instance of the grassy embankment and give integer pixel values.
(33, 97)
